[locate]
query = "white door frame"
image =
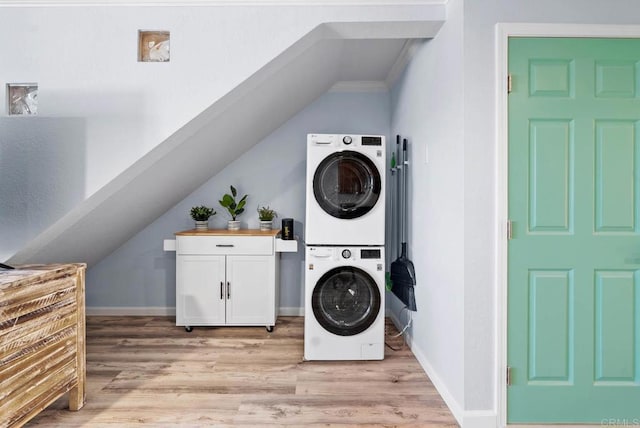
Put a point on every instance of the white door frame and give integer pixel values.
(503, 32)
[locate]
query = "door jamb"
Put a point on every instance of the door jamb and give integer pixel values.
(504, 31)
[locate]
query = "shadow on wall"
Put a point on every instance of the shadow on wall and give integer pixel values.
(42, 175)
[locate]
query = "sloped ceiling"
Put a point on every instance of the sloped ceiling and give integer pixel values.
(330, 53)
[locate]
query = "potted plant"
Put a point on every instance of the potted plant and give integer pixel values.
(266, 216)
(201, 216)
(234, 208)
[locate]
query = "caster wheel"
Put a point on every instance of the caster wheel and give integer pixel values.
(188, 329)
(269, 328)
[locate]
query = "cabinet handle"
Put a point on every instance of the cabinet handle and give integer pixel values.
(228, 290)
(221, 292)
(225, 245)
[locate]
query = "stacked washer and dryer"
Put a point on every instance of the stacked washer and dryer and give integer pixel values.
(344, 234)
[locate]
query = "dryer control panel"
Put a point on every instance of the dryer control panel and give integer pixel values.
(337, 140)
(371, 141)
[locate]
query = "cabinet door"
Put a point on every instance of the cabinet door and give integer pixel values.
(251, 282)
(200, 290)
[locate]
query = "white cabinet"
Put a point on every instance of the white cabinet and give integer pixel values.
(226, 278)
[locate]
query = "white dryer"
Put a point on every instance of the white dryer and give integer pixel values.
(345, 190)
(344, 303)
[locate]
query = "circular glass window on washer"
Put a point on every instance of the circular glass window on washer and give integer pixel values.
(346, 301)
(347, 184)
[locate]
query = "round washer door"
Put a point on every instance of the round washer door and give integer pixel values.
(347, 184)
(346, 301)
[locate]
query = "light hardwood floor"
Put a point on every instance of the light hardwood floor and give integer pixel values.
(146, 371)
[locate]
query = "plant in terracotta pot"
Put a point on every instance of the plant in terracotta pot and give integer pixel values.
(266, 216)
(201, 216)
(233, 207)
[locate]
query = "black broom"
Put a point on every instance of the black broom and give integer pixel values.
(403, 273)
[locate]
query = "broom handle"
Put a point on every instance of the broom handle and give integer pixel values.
(405, 201)
(401, 191)
(398, 201)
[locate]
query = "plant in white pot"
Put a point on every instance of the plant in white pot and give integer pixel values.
(234, 208)
(266, 216)
(201, 216)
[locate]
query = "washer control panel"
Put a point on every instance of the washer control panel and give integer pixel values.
(352, 254)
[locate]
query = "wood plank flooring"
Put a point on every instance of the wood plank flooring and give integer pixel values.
(146, 371)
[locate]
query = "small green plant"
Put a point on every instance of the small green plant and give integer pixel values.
(202, 213)
(234, 208)
(266, 214)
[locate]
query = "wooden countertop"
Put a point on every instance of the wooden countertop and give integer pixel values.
(30, 273)
(226, 232)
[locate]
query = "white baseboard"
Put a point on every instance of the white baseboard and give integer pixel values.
(291, 312)
(131, 311)
(163, 311)
(480, 419)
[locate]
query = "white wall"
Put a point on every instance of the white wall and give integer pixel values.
(427, 108)
(84, 61)
(140, 274)
(37, 183)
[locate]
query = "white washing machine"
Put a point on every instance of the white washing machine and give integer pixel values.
(344, 303)
(345, 190)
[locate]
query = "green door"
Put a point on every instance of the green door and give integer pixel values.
(574, 256)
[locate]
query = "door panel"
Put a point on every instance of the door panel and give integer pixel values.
(616, 326)
(550, 170)
(551, 326)
(616, 79)
(574, 260)
(551, 77)
(615, 166)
